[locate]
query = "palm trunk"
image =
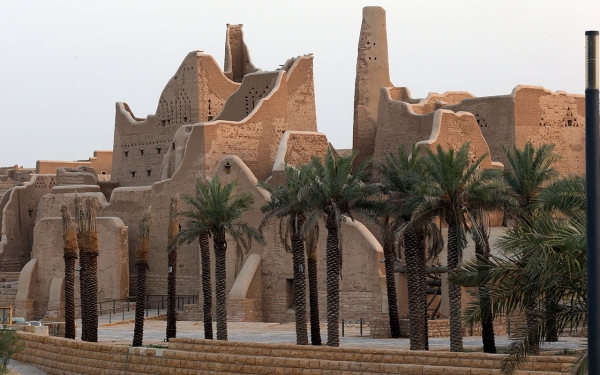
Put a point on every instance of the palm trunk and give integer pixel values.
(206, 285)
(417, 290)
(390, 281)
(70, 295)
(487, 323)
(313, 297)
(140, 303)
(221, 285)
(333, 282)
(83, 293)
(172, 295)
(454, 292)
(532, 322)
(550, 310)
(299, 286)
(88, 242)
(92, 301)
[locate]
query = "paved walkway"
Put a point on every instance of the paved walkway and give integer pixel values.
(18, 368)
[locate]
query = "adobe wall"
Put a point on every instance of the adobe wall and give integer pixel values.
(113, 259)
(18, 220)
(101, 162)
(543, 116)
(237, 57)
(372, 73)
(250, 126)
(398, 124)
(301, 107)
(196, 93)
(495, 117)
(450, 130)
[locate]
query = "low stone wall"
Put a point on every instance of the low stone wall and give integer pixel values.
(195, 356)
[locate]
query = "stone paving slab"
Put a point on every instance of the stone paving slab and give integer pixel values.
(155, 333)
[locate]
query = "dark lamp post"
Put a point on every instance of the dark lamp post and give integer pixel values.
(592, 165)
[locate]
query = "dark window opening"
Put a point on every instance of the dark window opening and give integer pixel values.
(210, 117)
(126, 154)
(172, 146)
(163, 122)
(103, 172)
(132, 174)
(149, 173)
(30, 211)
(141, 152)
(184, 118)
(158, 150)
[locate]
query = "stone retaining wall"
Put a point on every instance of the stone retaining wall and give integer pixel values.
(195, 356)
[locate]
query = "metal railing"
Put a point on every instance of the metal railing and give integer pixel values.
(118, 307)
(353, 323)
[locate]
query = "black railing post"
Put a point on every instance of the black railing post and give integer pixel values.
(342, 327)
(361, 326)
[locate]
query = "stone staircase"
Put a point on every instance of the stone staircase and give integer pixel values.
(9, 283)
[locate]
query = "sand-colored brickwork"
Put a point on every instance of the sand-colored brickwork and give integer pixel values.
(193, 356)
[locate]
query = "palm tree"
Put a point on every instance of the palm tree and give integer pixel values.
(531, 170)
(197, 227)
(173, 230)
(70, 255)
(141, 263)
(216, 212)
(401, 176)
(541, 258)
(337, 192)
(87, 240)
(457, 187)
(288, 205)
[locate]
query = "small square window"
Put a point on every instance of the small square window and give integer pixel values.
(132, 174)
(149, 173)
(158, 149)
(103, 172)
(126, 153)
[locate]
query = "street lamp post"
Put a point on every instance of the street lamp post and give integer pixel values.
(592, 170)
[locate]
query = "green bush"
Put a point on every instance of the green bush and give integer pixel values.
(9, 345)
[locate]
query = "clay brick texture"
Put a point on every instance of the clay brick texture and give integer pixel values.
(194, 356)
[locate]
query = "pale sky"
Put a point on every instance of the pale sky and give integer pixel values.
(64, 64)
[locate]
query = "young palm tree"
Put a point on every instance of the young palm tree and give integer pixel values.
(402, 177)
(456, 189)
(531, 170)
(216, 212)
(197, 227)
(87, 240)
(335, 193)
(141, 263)
(70, 255)
(173, 230)
(288, 205)
(541, 257)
